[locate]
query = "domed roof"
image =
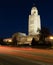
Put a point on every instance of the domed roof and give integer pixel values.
(34, 8)
(34, 11)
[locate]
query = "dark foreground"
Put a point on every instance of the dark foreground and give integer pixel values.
(25, 56)
(13, 60)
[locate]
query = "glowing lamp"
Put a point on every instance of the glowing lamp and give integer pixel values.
(51, 37)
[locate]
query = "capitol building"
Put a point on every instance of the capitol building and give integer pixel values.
(34, 24)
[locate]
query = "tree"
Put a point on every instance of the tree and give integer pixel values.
(44, 32)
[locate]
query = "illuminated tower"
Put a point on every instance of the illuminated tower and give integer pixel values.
(34, 22)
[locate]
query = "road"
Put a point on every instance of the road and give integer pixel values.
(25, 56)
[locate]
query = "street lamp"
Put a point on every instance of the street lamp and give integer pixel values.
(51, 37)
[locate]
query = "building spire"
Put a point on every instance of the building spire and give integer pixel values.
(33, 4)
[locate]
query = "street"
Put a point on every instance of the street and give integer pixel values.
(25, 56)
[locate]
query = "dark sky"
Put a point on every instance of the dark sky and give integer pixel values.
(14, 15)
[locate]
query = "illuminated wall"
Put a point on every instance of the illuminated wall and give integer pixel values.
(34, 22)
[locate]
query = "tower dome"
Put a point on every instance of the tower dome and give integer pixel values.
(34, 11)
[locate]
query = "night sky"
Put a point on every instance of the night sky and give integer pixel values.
(14, 15)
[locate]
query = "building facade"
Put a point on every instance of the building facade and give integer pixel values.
(34, 23)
